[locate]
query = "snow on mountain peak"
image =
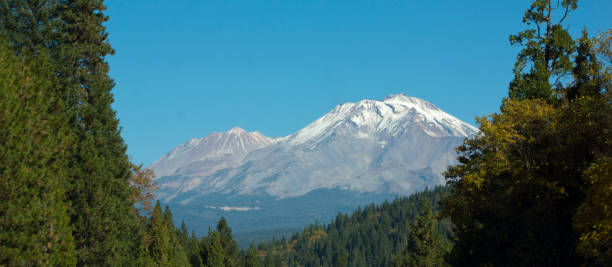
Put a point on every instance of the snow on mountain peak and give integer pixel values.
(397, 144)
(388, 116)
(236, 130)
(234, 145)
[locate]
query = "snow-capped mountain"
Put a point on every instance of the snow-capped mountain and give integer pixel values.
(203, 156)
(388, 117)
(359, 151)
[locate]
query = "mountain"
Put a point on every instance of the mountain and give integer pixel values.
(200, 157)
(355, 154)
(203, 156)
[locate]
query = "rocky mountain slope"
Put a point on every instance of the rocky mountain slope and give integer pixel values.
(370, 148)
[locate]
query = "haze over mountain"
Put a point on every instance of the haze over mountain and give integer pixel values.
(360, 151)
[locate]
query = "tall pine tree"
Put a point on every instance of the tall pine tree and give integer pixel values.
(546, 55)
(34, 222)
(72, 32)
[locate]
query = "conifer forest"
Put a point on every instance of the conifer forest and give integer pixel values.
(532, 188)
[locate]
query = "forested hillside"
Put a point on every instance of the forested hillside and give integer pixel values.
(533, 188)
(404, 231)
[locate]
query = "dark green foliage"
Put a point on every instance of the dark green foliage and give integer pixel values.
(251, 259)
(425, 246)
(71, 33)
(533, 188)
(214, 254)
(66, 191)
(229, 246)
(547, 49)
(588, 72)
(521, 181)
(159, 244)
(100, 194)
(523, 189)
(219, 248)
(372, 236)
(190, 244)
(34, 227)
(163, 245)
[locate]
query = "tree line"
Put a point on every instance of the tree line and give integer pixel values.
(69, 194)
(532, 188)
(407, 231)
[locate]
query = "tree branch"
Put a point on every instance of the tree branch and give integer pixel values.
(564, 15)
(548, 26)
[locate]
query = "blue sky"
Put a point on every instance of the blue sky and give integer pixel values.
(185, 69)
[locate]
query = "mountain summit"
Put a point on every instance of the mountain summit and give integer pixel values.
(203, 156)
(363, 150)
(398, 145)
(382, 119)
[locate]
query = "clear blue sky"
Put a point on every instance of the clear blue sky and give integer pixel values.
(188, 68)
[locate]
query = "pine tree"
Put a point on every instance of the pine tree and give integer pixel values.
(268, 260)
(34, 227)
(342, 258)
(546, 56)
(159, 245)
(215, 254)
(193, 251)
(72, 32)
(228, 245)
(425, 246)
(251, 259)
(101, 193)
(371, 236)
(177, 256)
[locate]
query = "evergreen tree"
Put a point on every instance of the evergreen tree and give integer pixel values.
(177, 256)
(159, 244)
(522, 180)
(425, 246)
(342, 259)
(193, 251)
(371, 236)
(72, 32)
(34, 227)
(215, 254)
(268, 260)
(228, 244)
(545, 58)
(101, 192)
(164, 243)
(251, 259)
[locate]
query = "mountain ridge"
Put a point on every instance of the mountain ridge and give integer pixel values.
(229, 147)
(363, 134)
(358, 153)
